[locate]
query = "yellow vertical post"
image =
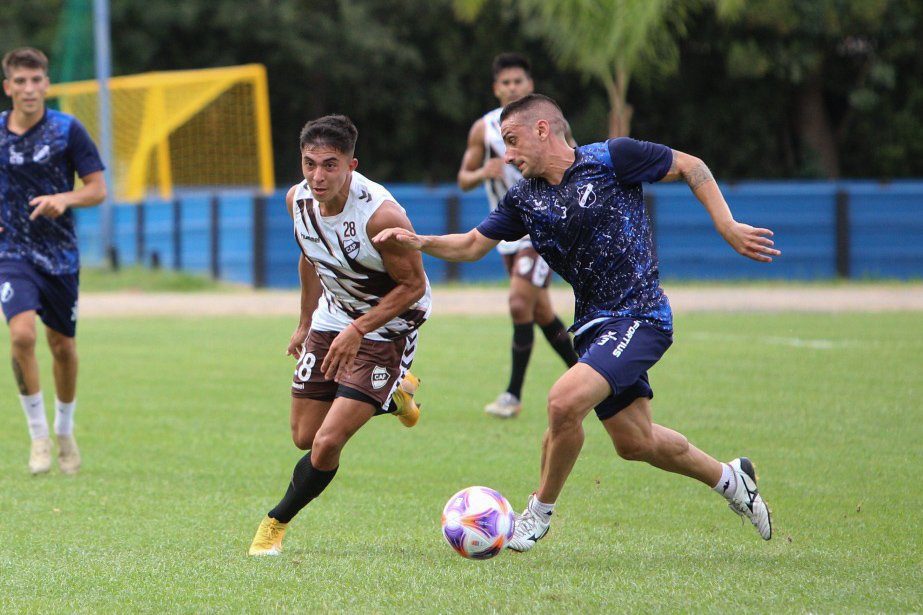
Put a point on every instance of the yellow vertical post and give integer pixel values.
(164, 168)
(263, 133)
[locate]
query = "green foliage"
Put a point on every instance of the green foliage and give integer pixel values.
(185, 444)
(722, 79)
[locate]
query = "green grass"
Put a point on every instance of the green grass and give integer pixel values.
(147, 280)
(183, 425)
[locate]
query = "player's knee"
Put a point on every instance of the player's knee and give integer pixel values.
(521, 307)
(302, 439)
(23, 340)
(325, 450)
(634, 449)
(63, 349)
(562, 415)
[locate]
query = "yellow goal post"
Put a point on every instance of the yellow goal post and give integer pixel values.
(195, 129)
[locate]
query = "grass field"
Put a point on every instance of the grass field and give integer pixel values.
(184, 429)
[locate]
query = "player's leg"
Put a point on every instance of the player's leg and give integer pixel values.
(59, 313)
(552, 327)
(569, 401)
(19, 296)
(638, 438)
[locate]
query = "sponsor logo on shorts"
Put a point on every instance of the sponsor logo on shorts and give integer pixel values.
(6, 292)
(525, 265)
(625, 340)
(380, 377)
(298, 385)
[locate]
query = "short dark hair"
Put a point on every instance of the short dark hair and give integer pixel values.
(511, 59)
(527, 103)
(24, 57)
(337, 131)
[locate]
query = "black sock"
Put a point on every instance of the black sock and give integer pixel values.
(307, 483)
(523, 336)
(560, 340)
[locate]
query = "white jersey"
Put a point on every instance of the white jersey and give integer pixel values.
(498, 187)
(350, 269)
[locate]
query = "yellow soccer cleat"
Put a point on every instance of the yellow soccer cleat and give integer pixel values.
(68, 455)
(268, 539)
(407, 412)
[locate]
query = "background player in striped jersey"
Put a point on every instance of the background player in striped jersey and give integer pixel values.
(529, 299)
(360, 310)
(40, 152)
(584, 210)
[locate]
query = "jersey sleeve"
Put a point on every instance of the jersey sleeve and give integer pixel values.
(639, 161)
(503, 223)
(83, 152)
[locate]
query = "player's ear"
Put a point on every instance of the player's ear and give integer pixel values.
(353, 164)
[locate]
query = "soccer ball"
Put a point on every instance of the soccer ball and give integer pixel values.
(478, 522)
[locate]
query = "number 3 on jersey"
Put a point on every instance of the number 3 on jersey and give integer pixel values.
(304, 367)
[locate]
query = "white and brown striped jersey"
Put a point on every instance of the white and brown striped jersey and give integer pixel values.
(498, 187)
(350, 269)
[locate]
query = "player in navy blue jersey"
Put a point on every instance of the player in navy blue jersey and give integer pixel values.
(584, 211)
(40, 152)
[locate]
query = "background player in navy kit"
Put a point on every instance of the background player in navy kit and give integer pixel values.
(360, 311)
(584, 211)
(40, 151)
(529, 299)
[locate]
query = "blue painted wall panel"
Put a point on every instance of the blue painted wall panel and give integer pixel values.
(236, 237)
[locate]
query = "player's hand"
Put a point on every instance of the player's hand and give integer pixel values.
(296, 344)
(493, 168)
(343, 350)
(397, 238)
(48, 205)
(754, 243)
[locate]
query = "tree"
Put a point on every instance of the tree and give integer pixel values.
(611, 41)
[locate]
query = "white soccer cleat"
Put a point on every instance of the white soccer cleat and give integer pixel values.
(506, 406)
(68, 455)
(530, 528)
(746, 500)
(40, 456)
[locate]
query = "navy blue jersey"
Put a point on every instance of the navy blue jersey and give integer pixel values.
(42, 161)
(592, 229)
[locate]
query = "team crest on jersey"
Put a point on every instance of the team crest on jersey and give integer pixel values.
(42, 154)
(351, 248)
(587, 196)
(380, 377)
(6, 292)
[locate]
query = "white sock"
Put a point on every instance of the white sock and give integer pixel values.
(64, 417)
(34, 407)
(541, 508)
(727, 484)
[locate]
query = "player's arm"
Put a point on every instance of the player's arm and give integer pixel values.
(754, 243)
(91, 193)
(310, 291)
(470, 246)
(405, 267)
(473, 170)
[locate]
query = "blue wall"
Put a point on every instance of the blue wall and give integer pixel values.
(884, 227)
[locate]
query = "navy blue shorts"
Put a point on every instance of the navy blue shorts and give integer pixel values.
(23, 287)
(622, 350)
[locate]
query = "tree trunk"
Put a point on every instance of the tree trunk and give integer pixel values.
(813, 124)
(620, 111)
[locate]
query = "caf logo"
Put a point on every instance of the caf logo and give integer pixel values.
(380, 377)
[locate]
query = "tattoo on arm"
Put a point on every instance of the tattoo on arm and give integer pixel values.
(698, 175)
(20, 379)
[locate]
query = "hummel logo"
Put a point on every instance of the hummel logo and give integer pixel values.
(365, 195)
(309, 238)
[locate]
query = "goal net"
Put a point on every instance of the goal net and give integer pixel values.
(194, 129)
